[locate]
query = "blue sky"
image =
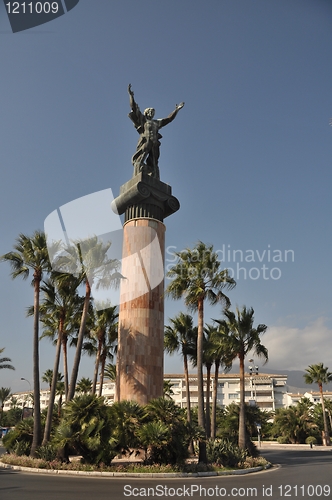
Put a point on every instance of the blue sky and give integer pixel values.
(248, 157)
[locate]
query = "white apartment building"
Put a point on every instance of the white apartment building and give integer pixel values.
(268, 391)
(314, 396)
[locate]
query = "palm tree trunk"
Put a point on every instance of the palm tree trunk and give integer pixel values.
(77, 359)
(207, 406)
(97, 363)
(102, 369)
(214, 399)
(36, 440)
(65, 364)
(201, 418)
(48, 424)
(242, 421)
(326, 432)
(186, 378)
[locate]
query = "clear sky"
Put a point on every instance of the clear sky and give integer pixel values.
(248, 157)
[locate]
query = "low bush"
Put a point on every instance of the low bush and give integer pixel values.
(225, 453)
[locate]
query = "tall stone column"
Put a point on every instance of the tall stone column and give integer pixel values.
(146, 201)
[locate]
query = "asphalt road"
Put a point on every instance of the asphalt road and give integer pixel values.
(301, 474)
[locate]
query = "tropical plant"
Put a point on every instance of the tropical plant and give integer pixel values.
(60, 315)
(30, 255)
(20, 439)
(89, 260)
(154, 437)
(110, 372)
(242, 339)
(175, 433)
(196, 278)
(127, 417)
(181, 336)
(4, 362)
(219, 348)
(86, 428)
(84, 385)
(225, 453)
(4, 395)
(319, 374)
(47, 377)
(102, 342)
(168, 389)
(295, 424)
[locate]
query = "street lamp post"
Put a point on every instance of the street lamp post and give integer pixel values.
(253, 370)
(22, 378)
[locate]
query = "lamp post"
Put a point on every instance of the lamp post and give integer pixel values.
(253, 370)
(22, 378)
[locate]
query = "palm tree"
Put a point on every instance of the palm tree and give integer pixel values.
(89, 259)
(110, 372)
(47, 377)
(30, 255)
(60, 390)
(319, 374)
(4, 395)
(84, 385)
(219, 348)
(4, 362)
(208, 360)
(168, 389)
(197, 277)
(242, 339)
(59, 313)
(181, 337)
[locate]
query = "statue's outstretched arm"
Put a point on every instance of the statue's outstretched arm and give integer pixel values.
(171, 116)
(132, 101)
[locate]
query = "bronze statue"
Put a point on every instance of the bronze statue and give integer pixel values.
(147, 152)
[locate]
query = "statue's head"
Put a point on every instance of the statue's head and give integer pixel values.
(149, 113)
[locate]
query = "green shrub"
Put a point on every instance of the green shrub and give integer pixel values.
(19, 440)
(311, 440)
(47, 452)
(283, 440)
(224, 452)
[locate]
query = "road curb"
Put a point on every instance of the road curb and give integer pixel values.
(133, 474)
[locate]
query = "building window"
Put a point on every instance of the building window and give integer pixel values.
(233, 395)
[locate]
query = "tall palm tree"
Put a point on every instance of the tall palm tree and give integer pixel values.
(219, 348)
(196, 278)
(319, 374)
(208, 360)
(30, 255)
(59, 313)
(242, 339)
(105, 332)
(180, 336)
(4, 395)
(89, 260)
(60, 390)
(4, 362)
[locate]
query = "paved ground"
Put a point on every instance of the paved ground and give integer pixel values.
(302, 473)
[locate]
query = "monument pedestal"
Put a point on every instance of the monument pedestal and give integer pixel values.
(146, 201)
